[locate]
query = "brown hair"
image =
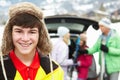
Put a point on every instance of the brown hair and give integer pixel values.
(26, 20)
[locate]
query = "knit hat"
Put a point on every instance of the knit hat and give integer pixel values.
(105, 22)
(62, 30)
(25, 7)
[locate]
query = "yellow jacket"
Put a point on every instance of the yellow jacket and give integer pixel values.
(44, 72)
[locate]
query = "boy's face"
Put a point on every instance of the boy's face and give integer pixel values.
(25, 40)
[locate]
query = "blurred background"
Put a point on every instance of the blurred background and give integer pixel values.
(93, 9)
(90, 9)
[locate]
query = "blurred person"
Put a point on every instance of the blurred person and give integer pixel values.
(107, 43)
(85, 60)
(60, 51)
(26, 46)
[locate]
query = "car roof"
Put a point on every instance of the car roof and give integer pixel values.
(76, 24)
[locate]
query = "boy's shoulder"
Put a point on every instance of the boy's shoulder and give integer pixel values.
(45, 63)
(8, 66)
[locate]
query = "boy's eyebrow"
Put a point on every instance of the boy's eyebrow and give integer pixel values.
(17, 29)
(33, 29)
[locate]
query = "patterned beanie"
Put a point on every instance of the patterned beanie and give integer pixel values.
(105, 22)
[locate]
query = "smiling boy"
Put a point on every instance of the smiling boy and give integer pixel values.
(26, 46)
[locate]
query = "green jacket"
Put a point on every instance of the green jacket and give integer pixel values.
(112, 58)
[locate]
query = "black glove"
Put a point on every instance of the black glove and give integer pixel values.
(83, 51)
(104, 48)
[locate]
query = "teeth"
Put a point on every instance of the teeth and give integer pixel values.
(25, 45)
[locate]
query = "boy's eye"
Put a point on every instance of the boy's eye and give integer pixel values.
(33, 32)
(18, 31)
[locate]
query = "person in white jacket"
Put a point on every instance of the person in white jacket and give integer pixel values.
(60, 50)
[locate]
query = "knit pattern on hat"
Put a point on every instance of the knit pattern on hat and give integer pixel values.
(25, 7)
(105, 22)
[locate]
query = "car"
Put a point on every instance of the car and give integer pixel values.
(76, 24)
